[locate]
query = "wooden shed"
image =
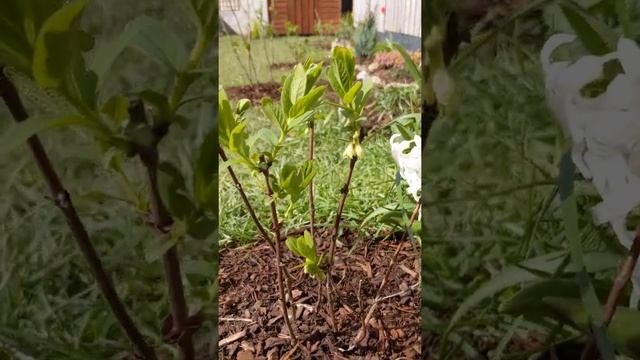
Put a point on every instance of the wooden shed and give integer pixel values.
(306, 13)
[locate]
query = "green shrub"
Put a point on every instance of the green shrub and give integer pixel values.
(364, 36)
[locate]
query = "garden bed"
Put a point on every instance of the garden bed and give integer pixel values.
(255, 92)
(250, 320)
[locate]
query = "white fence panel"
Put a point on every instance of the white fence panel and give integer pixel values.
(400, 16)
(240, 14)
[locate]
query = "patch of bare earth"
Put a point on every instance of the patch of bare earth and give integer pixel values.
(255, 92)
(251, 324)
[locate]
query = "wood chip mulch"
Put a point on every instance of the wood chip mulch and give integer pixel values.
(251, 324)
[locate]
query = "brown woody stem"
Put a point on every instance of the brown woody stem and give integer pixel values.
(621, 280)
(63, 201)
(275, 227)
(161, 220)
(312, 208)
(334, 237)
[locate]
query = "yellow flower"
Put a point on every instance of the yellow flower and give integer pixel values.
(353, 149)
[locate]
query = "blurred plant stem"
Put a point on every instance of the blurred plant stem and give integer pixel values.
(62, 200)
(161, 221)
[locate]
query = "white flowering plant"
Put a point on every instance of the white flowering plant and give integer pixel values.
(595, 96)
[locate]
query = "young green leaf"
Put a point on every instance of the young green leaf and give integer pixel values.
(313, 74)
(58, 60)
(242, 106)
(307, 102)
(341, 70)
(274, 113)
(298, 84)
(285, 93)
(351, 94)
(595, 35)
(304, 247)
(227, 121)
(238, 140)
(20, 22)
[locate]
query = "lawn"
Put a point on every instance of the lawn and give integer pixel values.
(264, 53)
(374, 181)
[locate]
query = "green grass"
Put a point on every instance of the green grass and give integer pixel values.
(490, 170)
(372, 184)
(264, 52)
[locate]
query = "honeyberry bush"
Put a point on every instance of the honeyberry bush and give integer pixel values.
(272, 153)
(115, 85)
(510, 236)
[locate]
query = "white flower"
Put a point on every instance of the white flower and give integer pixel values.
(605, 130)
(410, 163)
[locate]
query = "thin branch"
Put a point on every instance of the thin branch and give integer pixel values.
(312, 208)
(161, 220)
(362, 332)
(63, 201)
(621, 280)
(275, 227)
(334, 237)
(247, 69)
(245, 199)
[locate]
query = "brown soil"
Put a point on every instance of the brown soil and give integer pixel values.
(255, 92)
(251, 323)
